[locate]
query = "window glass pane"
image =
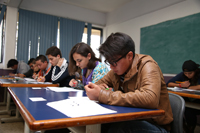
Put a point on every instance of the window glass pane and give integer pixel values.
(95, 41)
(1, 41)
(84, 38)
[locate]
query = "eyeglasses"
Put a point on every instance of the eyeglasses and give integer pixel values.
(114, 63)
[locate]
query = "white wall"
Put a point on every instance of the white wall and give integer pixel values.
(132, 26)
(10, 35)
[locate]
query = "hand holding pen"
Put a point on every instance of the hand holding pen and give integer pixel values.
(41, 79)
(105, 86)
(35, 76)
(73, 83)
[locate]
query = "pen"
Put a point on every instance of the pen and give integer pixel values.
(179, 82)
(74, 84)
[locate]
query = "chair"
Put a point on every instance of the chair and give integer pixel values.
(178, 108)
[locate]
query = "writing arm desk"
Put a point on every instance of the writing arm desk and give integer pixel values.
(5, 82)
(189, 94)
(39, 116)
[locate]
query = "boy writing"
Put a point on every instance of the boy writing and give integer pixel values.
(137, 81)
(59, 70)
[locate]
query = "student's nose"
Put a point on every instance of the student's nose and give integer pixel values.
(77, 64)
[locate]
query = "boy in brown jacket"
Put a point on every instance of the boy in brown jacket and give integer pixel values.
(137, 81)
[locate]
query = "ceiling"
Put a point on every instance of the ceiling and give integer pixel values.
(97, 5)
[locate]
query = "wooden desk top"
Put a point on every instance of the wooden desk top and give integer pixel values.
(22, 83)
(186, 94)
(39, 116)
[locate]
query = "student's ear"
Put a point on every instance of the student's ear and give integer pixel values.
(89, 56)
(58, 56)
(130, 55)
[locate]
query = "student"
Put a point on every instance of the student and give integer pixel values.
(189, 78)
(33, 69)
(43, 65)
(19, 66)
(31, 61)
(59, 70)
(82, 57)
(137, 81)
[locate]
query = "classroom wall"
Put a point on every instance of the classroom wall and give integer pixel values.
(132, 26)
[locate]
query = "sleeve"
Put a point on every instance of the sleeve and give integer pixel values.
(99, 72)
(178, 77)
(147, 96)
(29, 73)
(48, 75)
(23, 68)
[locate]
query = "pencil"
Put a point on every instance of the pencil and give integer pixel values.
(179, 82)
(41, 78)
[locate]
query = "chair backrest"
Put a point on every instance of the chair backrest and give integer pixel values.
(178, 108)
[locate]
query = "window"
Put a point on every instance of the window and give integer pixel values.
(96, 39)
(2, 39)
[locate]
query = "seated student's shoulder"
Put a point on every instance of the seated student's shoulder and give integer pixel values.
(143, 60)
(101, 67)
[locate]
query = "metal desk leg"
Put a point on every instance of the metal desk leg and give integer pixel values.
(17, 118)
(4, 100)
(27, 130)
(7, 105)
(96, 128)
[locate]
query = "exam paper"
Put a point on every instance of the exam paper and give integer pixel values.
(78, 107)
(30, 80)
(35, 88)
(62, 89)
(181, 89)
(35, 99)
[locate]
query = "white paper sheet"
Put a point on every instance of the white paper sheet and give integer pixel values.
(77, 107)
(181, 89)
(35, 88)
(30, 80)
(36, 99)
(62, 89)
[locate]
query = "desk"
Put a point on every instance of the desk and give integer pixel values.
(4, 82)
(190, 94)
(39, 116)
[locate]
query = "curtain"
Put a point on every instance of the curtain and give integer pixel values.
(35, 28)
(3, 9)
(89, 28)
(71, 32)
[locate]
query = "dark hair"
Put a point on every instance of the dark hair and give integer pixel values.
(82, 49)
(32, 60)
(42, 58)
(189, 66)
(117, 44)
(54, 51)
(12, 62)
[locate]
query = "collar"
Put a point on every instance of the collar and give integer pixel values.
(63, 63)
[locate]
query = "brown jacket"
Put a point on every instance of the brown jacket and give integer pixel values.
(144, 87)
